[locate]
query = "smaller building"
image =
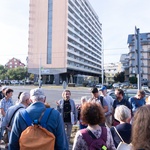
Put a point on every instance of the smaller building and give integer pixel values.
(124, 60)
(14, 63)
(110, 70)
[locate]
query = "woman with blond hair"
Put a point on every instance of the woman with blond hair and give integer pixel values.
(141, 129)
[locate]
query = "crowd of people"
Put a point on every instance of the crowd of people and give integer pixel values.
(103, 121)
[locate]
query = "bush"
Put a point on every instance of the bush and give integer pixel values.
(85, 84)
(36, 83)
(71, 84)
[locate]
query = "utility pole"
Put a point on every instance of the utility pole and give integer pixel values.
(39, 80)
(138, 51)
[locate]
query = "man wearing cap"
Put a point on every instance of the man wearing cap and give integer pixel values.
(99, 99)
(54, 122)
(109, 100)
(2, 92)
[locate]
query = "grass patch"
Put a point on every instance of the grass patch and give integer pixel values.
(75, 128)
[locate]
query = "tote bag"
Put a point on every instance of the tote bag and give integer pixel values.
(122, 145)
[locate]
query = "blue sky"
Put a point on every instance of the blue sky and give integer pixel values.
(118, 18)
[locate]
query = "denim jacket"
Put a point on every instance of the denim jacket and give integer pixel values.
(54, 125)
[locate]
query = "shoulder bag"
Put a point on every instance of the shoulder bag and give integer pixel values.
(122, 145)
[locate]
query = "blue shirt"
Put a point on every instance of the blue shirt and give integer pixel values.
(54, 125)
(136, 103)
(5, 104)
(122, 102)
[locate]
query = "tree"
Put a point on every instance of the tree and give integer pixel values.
(119, 77)
(2, 72)
(16, 73)
(31, 77)
(133, 80)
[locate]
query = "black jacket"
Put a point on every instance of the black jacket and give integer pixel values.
(1, 95)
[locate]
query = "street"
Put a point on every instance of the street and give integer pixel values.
(54, 93)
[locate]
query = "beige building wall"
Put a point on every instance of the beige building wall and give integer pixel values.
(38, 29)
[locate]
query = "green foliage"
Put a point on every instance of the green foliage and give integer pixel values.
(119, 77)
(16, 73)
(12, 74)
(31, 77)
(133, 80)
(2, 72)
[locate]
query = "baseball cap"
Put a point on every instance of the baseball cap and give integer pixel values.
(36, 92)
(103, 88)
(3, 88)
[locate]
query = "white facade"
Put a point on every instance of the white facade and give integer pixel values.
(124, 60)
(145, 56)
(110, 70)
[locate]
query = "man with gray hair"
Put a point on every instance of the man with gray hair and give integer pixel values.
(35, 111)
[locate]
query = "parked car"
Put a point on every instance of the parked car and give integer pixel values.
(1, 82)
(127, 93)
(145, 87)
(21, 82)
(29, 82)
(125, 85)
(116, 85)
(134, 86)
(99, 86)
(14, 82)
(7, 82)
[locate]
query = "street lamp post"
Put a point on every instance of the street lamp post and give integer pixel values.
(138, 51)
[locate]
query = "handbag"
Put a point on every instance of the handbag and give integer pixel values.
(5, 136)
(122, 145)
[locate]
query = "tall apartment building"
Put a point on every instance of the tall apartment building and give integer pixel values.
(64, 39)
(145, 56)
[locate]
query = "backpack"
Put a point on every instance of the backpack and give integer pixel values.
(36, 136)
(94, 143)
(101, 100)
